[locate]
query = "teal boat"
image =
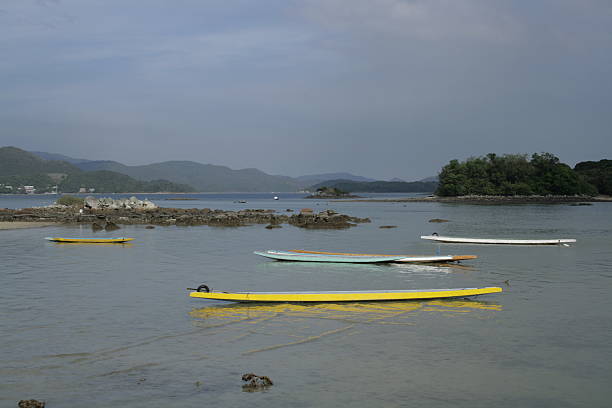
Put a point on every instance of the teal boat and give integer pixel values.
(302, 257)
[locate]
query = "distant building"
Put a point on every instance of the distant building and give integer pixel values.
(29, 189)
(82, 190)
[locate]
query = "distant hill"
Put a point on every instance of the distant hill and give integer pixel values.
(111, 182)
(14, 161)
(214, 178)
(21, 168)
(57, 156)
(318, 178)
(379, 186)
(203, 177)
(432, 178)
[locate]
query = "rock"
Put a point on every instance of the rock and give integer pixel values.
(32, 403)
(306, 211)
(289, 210)
(256, 382)
(96, 227)
(388, 226)
(150, 227)
(109, 203)
(438, 220)
(111, 226)
(271, 226)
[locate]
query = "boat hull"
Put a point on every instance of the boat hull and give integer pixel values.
(404, 259)
(90, 240)
(344, 296)
(459, 240)
(297, 257)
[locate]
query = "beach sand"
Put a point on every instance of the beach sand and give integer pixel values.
(8, 225)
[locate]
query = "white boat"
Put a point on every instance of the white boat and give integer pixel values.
(459, 240)
(300, 257)
(403, 259)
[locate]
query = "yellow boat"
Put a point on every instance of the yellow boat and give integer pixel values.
(119, 240)
(340, 296)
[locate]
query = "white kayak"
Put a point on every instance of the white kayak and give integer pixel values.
(299, 257)
(459, 240)
(404, 259)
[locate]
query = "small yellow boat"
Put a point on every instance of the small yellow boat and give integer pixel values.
(120, 240)
(203, 292)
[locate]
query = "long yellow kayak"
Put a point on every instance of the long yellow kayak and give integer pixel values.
(341, 296)
(120, 240)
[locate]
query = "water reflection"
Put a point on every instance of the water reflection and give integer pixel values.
(257, 328)
(362, 312)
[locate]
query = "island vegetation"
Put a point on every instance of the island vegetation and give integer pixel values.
(331, 192)
(599, 174)
(512, 175)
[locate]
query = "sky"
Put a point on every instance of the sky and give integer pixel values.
(378, 88)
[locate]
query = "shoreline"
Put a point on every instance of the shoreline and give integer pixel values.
(493, 200)
(11, 225)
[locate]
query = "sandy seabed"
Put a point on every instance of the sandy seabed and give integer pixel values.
(8, 225)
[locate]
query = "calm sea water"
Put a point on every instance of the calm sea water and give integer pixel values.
(112, 325)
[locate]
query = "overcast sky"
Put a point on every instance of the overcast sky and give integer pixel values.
(379, 88)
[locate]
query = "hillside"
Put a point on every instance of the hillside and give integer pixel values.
(14, 161)
(19, 168)
(111, 182)
(203, 177)
(311, 179)
(379, 186)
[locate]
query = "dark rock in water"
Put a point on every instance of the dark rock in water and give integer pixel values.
(289, 210)
(271, 226)
(256, 382)
(96, 227)
(438, 220)
(32, 403)
(111, 226)
(388, 226)
(579, 204)
(327, 219)
(150, 227)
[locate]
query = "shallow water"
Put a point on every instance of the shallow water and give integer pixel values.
(112, 325)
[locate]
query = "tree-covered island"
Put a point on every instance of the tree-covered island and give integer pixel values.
(517, 175)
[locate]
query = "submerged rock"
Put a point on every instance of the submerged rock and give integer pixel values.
(111, 226)
(31, 403)
(256, 382)
(388, 226)
(438, 220)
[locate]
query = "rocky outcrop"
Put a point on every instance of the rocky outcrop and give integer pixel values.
(131, 203)
(107, 218)
(325, 219)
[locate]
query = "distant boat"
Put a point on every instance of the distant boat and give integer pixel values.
(119, 240)
(340, 296)
(498, 241)
(292, 256)
(403, 259)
